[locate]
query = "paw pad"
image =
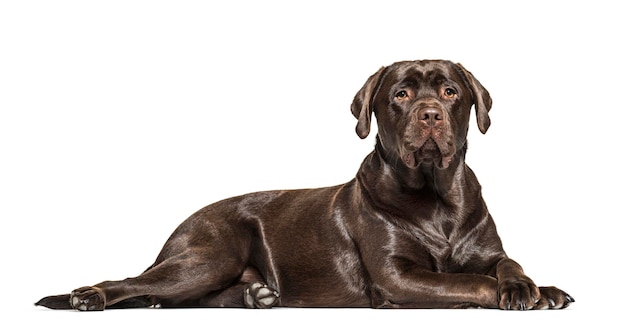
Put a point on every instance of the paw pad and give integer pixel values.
(260, 296)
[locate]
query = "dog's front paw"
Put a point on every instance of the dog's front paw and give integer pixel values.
(520, 293)
(260, 296)
(87, 299)
(553, 298)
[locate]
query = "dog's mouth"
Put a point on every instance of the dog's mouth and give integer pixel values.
(430, 152)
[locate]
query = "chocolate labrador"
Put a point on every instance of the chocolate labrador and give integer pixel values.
(411, 230)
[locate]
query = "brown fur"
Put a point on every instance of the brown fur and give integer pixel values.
(410, 230)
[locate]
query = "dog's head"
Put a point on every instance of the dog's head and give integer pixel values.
(423, 110)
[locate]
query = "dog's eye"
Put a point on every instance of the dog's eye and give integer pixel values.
(449, 92)
(402, 94)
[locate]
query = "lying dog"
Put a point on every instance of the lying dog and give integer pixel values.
(410, 231)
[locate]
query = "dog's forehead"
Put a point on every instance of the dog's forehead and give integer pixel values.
(431, 71)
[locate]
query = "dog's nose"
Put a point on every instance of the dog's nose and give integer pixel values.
(430, 116)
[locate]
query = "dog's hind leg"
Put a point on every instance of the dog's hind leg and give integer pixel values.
(178, 279)
(171, 282)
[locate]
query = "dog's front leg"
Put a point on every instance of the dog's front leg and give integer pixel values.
(418, 288)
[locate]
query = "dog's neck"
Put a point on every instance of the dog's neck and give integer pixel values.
(384, 176)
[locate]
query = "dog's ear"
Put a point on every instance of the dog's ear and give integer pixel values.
(482, 100)
(362, 104)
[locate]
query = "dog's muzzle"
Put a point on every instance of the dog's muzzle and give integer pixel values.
(428, 139)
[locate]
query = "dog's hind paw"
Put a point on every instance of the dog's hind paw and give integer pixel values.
(87, 299)
(260, 296)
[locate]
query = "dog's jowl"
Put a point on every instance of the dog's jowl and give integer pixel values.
(411, 230)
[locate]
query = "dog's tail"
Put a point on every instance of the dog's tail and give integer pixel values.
(62, 302)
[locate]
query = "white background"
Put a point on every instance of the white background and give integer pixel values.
(118, 119)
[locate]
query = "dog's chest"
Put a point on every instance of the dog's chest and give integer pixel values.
(438, 235)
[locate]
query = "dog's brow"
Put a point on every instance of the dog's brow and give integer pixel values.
(408, 82)
(436, 76)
